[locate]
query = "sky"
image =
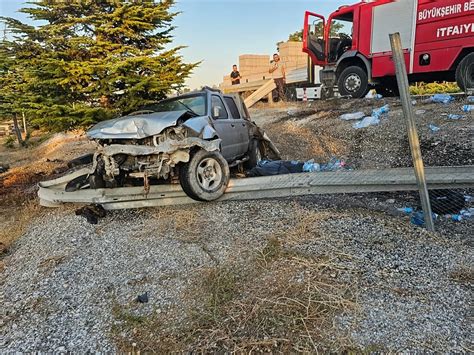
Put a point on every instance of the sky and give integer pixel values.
(216, 32)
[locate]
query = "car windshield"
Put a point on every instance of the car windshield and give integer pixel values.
(195, 104)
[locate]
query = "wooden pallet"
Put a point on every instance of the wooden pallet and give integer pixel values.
(263, 91)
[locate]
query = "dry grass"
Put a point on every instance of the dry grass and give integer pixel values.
(463, 275)
(18, 204)
(15, 223)
(306, 143)
(283, 301)
(183, 223)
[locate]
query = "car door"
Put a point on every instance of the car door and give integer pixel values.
(224, 126)
(241, 128)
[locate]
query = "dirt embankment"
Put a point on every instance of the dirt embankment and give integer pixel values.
(314, 131)
(27, 167)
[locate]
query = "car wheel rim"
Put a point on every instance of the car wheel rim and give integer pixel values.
(209, 174)
(258, 154)
(353, 82)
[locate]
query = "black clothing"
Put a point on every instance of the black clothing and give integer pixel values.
(233, 75)
(279, 92)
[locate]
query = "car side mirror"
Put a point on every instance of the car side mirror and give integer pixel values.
(216, 112)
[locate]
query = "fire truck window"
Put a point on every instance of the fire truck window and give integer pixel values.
(340, 37)
(315, 36)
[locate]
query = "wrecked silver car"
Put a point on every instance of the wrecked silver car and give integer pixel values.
(194, 138)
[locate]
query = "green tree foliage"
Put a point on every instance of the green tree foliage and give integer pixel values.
(336, 28)
(89, 60)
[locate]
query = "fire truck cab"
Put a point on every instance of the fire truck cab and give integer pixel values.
(353, 45)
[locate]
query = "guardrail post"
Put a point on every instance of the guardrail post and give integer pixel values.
(403, 86)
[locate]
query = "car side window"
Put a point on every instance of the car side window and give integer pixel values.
(234, 111)
(218, 110)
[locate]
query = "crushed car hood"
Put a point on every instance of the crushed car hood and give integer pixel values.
(135, 127)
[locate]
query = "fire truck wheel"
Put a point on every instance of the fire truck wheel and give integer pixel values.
(465, 72)
(353, 82)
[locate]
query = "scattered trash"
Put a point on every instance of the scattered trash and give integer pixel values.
(434, 128)
(406, 210)
(372, 94)
(333, 165)
(352, 116)
(455, 217)
(420, 112)
(453, 116)
(380, 111)
(390, 200)
(276, 167)
(470, 99)
(4, 168)
(467, 213)
(468, 108)
(92, 213)
(467, 198)
(282, 167)
(366, 122)
(310, 166)
(143, 298)
(441, 98)
(413, 102)
(418, 218)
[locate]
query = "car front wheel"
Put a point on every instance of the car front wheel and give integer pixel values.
(206, 176)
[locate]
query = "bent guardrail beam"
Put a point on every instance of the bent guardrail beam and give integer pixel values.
(52, 193)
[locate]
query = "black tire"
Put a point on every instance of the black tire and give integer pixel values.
(96, 181)
(255, 154)
(82, 160)
(465, 73)
(77, 183)
(205, 177)
(388, 88)
(353, 81)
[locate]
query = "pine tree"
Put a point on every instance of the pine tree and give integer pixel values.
(90, 60)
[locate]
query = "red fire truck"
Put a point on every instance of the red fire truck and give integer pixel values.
(353, 45)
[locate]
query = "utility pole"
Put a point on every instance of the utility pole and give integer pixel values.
(403, 87)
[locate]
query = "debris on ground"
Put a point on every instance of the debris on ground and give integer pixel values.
(92, 213)
(453, 116)
(143, 298)
(366, 122)
(468, 108)
(434, 128)
(372, 120)
(420, 112)
(441, 98)
(4, 168)
(372, 94)
(282, 167)
(352, 116)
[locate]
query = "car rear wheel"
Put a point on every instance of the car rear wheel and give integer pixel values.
(465, 73)
(255, 154)
(354, 82)
(205, 177)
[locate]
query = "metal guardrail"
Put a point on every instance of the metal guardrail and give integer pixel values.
(52, 193)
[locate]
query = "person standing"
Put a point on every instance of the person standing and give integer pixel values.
(277, 69)
(235, 75)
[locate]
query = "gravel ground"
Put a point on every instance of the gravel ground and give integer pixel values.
(64, 276)
(62, 280)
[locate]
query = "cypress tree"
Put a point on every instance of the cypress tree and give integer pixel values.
(89, 60)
